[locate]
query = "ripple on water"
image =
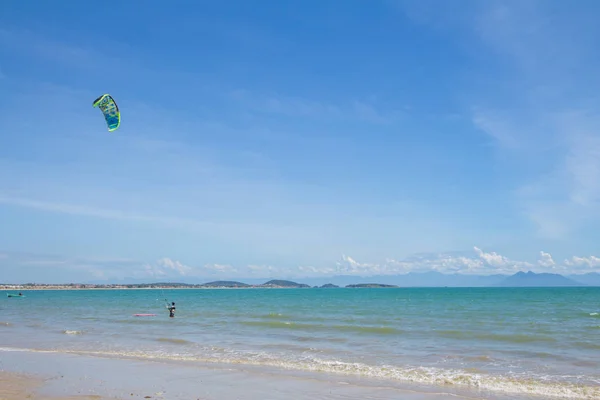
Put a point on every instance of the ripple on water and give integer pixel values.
(382, 330)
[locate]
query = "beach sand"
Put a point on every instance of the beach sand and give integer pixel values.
(18, 387)
(59, 376)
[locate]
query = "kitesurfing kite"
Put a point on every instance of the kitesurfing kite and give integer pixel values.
(109, 108)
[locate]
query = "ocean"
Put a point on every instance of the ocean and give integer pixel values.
(520, 342)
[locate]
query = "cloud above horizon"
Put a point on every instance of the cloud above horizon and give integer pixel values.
(55, 269)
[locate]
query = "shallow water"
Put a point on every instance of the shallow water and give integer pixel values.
(521, 341)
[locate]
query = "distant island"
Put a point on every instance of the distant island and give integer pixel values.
(412, 279)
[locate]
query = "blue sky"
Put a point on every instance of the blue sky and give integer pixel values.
(298, 138)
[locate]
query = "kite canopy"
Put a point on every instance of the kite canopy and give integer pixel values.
(109, 108)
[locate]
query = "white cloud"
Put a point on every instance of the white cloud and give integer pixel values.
(480, 262)
(21, 267)
(477, 263)
(167, 267)
(349, 266)
(546, 260)
(591, 262)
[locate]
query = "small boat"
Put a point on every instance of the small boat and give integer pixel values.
(14, 295)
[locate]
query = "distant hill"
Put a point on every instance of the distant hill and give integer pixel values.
(229, 284)
(278, 283)
(413, 279)
(371, 285)
(329, 285)
(591, 278)
(529, 279)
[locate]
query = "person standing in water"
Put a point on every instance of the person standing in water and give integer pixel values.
(171, 309)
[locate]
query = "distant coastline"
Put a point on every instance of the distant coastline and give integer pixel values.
(409, 280)
(273, 284)
(414, 280)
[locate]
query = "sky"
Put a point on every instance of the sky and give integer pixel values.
(298, 138)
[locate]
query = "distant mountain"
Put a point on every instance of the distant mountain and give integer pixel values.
(529, 279)
(591, 278)
(283, 284)
(413, 279)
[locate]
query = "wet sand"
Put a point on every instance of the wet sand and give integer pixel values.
(55, 376)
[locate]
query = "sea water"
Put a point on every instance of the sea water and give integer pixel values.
(527, 342)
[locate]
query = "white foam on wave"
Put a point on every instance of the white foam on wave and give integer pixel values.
(72, 332)
(10, 349)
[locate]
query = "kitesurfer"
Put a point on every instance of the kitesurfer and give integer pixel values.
(171, 309)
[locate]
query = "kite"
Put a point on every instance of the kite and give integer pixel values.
(109, 108)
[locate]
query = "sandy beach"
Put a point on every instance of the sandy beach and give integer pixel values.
(19, 386)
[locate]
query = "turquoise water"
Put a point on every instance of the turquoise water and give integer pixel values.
(524, 341)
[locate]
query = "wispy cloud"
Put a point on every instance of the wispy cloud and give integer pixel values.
(285, 105)
(496, 127)
(552, 121)
(536, 97)
(70, 55)
(357, 110)
(30, 267)
(152, 174)
(78, 209)
(369, 113)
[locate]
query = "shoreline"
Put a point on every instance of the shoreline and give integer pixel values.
(60, 376)
(106, 375)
